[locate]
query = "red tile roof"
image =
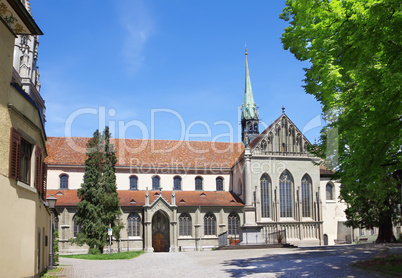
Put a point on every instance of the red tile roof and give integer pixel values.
(137, 198)
(149, 153)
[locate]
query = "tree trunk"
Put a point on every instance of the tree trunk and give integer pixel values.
(385, 233)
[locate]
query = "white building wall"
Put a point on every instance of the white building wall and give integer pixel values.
(76, 178)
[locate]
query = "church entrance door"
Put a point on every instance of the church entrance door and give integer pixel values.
(158, 242)
(160, 232)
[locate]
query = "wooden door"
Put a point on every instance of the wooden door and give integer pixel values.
(158, 243)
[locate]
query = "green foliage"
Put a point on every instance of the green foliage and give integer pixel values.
(94, 251)
(99, 207)
(355, 56)
(55, 247)
(113, 256)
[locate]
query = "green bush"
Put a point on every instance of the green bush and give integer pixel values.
(94, 251)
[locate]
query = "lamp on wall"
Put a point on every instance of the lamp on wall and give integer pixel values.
(51, 201)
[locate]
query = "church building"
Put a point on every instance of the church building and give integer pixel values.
(181, 195)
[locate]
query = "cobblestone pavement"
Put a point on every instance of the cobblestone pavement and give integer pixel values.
(328, 261)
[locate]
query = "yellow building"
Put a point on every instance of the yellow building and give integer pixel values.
(24, 214)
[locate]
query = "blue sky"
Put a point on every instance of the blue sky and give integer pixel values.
(166, 69)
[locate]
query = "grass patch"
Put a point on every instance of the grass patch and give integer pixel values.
(106, 256)
(55, 272)
(391, 264)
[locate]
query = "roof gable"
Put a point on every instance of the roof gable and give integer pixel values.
(281, 137)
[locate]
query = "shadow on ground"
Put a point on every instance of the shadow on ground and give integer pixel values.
(307, 262)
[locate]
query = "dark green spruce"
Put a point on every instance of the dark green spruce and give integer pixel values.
(99, 207)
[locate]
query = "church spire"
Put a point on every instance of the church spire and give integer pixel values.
(249, 114)
(249, 107)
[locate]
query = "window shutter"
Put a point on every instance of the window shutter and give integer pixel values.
(44, 180)
(38, 169)
(15, 143)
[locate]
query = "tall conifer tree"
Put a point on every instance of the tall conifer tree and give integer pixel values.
(99, 207)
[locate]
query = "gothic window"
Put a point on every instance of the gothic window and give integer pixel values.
(185, 224)
(233, 224)
(133, 183)
(198, 183)
(219, 184)
(285, 194)
(265, 184)
(156, 182)
(63, 181)
(329, 191)
(306, 196)
(177, 183)
(134, 224)
(209, 224)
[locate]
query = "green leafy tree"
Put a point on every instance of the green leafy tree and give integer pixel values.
(354, 53)
(99, 206)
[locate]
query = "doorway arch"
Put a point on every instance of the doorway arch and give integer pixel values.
(160, 232)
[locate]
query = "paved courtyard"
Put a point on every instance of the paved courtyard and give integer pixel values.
(333, 261)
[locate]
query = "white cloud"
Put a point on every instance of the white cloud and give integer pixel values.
(138, 25)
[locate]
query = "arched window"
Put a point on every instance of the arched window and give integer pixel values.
(63, 181)
(265, 184)
(329, 189)
(198, 183)
(219, 184)
(185, 224)
(306, 196)
(285, 194)
(177, 183)
(134, 224)
(233, 223)
(155, 183)
(209, 224)
(133, 183)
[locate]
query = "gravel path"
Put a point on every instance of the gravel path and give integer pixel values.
(329, 261)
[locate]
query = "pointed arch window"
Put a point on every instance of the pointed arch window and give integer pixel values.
(185, 224)
(133, 183)
(156, 182)
(233, 224)
(198, 183)
(209, 224)
(219, 184)
(134, 224)
(265, 185)
(177, 183)
(285, 194)
(306, 196)
(63, 181)
(329, 190)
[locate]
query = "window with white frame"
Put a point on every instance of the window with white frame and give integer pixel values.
(63, 181)
(133, 183)
(177, 183)
(198, 183)
(329, 190)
